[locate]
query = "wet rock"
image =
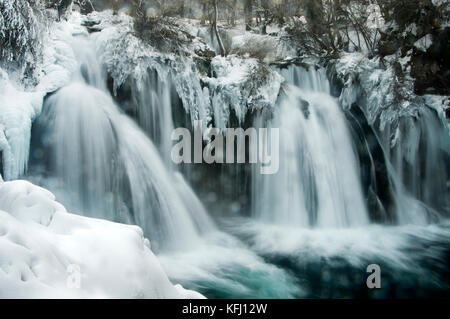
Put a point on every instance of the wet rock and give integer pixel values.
(94, 29)
(86, 6)
(90, 22)
(388, 45)
(205, 53)
(431, 69)
(304, 105)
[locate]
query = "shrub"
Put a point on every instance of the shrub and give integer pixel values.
(160, 31)
(263, 48)
(20, 45)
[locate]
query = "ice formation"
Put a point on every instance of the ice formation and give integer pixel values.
(17, 111)
(19, 107)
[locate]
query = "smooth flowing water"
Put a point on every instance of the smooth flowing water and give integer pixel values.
(318, 184)
(154, 95)
(100, 162)
(313, 216)
(308, 231)
(110, 168)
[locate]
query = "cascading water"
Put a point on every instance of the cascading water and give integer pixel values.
(420, 167)
(348, 193)
(412, 147)
(101, 163)
(154, 96)
(320, 171)
(313, 216)
(318, 184)
(110, 167)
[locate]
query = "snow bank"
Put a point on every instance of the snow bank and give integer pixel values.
(46, 252)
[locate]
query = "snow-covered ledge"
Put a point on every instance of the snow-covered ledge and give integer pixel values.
(46, 252)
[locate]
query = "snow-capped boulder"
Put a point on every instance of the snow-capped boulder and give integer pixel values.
(46, 252)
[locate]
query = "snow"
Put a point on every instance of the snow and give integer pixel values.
(46, 252)
(424, 43)
(59, 61)
(374, 85)
(438, 2)
(20, 27)
(234, 83)
(241, 84)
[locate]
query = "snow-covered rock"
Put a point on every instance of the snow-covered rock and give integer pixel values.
(375, 85)
(46, 252)
(424, 43)
(241, 84)
(208, 87)
(127, 58)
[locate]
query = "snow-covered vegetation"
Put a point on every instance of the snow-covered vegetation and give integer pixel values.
(21, 31)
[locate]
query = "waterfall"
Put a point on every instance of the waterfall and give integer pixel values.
(412, 146)
(419, 155)
(108, 166)
(153, 95)
(318, 184)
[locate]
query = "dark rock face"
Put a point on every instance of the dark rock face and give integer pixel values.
(431, 69)
(89, 22)
(62, 7)
(205, 53)
(86, 6)
(388, 46)
(377, 186)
